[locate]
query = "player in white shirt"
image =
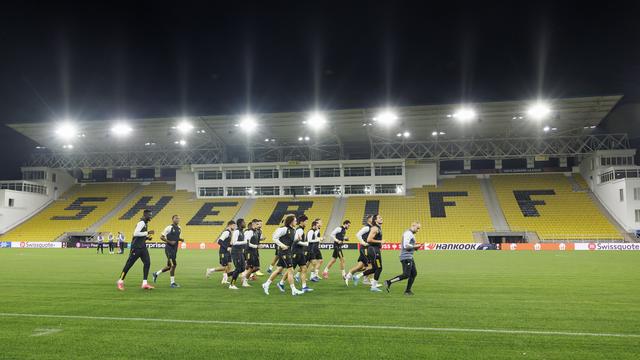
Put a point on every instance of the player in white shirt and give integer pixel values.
(283, 237)
(314, 255)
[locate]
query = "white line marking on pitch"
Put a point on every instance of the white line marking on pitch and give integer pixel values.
(332, 326)
(43, 332)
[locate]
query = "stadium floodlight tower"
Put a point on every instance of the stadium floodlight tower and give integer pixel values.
(121, 129)
(66, 130)
(539, 110)
(386, 117)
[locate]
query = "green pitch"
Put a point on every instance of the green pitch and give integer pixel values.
(543, 303)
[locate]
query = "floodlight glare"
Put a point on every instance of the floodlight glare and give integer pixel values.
(538, 111)
(386, 117)
(406, 134)
(180, 142)
(121, 129)
(184, 126)
(316, 120)
(435, 133)
(465, 114)
(546, 129)
(248, 123)
(66, 130)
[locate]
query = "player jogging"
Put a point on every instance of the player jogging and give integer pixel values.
(374, 254)
(253, 253)
(338, 237)
(139, 251)
(171, 236)
(299, 252)
(283, 237)
(314, 255)
(238, 245)
(363, 261)
(407, 249)
(225, 256)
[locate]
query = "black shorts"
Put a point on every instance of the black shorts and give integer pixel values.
(374, 255)
(253, 258)
(299, 259)
(225, 258)
(285, 259)
(363, 255)
(239, 261)
(314, 252)
(337, 251)
(171, 255)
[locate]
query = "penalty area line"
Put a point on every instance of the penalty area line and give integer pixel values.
(326, 326)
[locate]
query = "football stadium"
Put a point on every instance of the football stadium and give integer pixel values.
(506, 227)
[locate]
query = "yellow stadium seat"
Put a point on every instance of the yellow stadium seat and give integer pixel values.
(182, 203)
(45, 227)
(567, 215)
(468, 215)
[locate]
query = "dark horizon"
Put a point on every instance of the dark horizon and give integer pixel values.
(103, 61)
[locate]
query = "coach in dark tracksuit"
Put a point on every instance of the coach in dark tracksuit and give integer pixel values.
(139, 251)
(407, 249)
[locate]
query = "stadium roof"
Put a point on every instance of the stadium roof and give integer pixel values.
(494, 120)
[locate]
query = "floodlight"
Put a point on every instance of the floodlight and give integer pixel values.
(180, 142)
(184, 126)
(386, 117)
(406, 134)
(435, 133)
(316, 120)
(546, 128)
(538, 111)
(66, 130)
(248, 123)
(121, 129)
(465, 114)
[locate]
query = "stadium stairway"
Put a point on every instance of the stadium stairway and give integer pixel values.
(337, 217)
(493, 206)
(244, 209)
(136, 191)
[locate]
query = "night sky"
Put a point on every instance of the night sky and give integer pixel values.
(94, 62)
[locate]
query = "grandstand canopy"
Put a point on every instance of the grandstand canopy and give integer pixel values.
(346, 127)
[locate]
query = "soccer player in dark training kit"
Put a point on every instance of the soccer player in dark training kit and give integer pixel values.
(338, 235)
(111, 245)
(283, 237)
(100, 247)
(253, 252)
(314, 255)
(224, 241)
(407, 248)
(171, 236)
(374, 253)
(238, 246)
(363, 261)
(139, 251)
(299, 252)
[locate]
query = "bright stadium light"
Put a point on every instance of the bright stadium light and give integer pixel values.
(184, 126)
(180, 142)
(66, 130)
(121, 129)
(316, 120)
(248, 123)
(386, 117)
(546, 128)
(538, 111)
(464, 114)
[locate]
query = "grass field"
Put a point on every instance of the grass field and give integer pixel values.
(546, 305)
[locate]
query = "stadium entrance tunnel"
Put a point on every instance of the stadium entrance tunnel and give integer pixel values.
(506, 237)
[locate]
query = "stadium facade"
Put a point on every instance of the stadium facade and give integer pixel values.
(499, 175)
